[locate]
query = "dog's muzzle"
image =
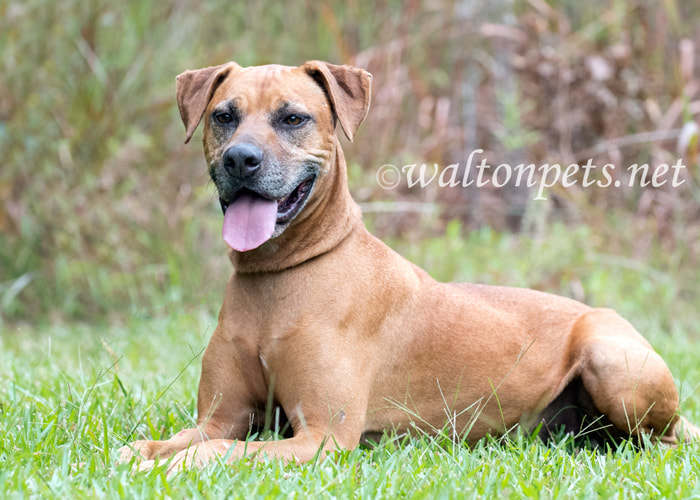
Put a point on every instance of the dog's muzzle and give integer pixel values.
(251, 214)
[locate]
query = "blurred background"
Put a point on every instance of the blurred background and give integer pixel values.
(105, 213)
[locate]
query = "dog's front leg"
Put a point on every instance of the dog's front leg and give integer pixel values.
(324, 394)
(149, 450)
(230, 385)
(216, 426)
(300, 448)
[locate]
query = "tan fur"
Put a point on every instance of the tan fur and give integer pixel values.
(349, 339)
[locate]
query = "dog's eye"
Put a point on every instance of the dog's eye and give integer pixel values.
(223, 117)
(294, 120)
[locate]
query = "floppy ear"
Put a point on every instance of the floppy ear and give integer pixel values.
(195, 89)
(348, 89)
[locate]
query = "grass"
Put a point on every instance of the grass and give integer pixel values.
(73, 393)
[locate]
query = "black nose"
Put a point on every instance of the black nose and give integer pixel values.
(242, 160)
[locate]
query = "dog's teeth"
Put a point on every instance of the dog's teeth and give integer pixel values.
(224, 205)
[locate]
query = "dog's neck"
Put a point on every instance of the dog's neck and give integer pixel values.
(323, 224)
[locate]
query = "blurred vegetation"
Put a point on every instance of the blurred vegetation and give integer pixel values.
(104, 211)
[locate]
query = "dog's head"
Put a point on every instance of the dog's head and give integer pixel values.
(269, 137)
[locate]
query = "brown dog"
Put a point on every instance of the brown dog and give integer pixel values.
(347, 338)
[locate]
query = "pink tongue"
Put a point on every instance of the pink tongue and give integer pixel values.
(249, 222)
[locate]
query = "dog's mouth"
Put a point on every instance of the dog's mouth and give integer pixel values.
(289, 207)
(251, 219)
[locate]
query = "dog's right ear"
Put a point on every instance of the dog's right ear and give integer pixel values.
(195, 89)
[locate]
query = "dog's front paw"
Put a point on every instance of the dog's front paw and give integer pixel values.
(141, 450)
(199, 455)
(196, 456)
(145, 451)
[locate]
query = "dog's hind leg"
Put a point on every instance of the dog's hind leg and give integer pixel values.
(627, 380)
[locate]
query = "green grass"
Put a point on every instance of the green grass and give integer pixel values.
(72, 394)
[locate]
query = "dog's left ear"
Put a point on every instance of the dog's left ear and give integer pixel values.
(195, 89)
(348, 89)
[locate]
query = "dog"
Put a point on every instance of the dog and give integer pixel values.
(327, 328)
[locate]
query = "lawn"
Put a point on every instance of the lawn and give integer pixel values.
(72, 394)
